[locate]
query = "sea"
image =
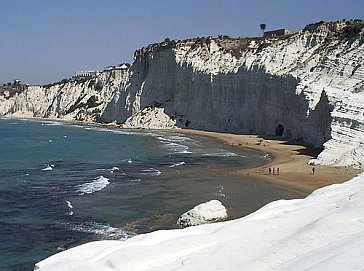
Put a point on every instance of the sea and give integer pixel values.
(63, 184)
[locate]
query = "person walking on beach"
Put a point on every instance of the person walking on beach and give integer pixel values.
(313, 170)
(277, 170)
(270, 171)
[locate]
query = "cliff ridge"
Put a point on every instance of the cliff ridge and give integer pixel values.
(306, 86)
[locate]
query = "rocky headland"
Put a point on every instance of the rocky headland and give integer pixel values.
(307, 86)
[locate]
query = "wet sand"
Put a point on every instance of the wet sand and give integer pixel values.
(291, 159)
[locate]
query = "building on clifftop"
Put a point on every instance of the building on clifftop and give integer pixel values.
(85, 74)
(277, 33)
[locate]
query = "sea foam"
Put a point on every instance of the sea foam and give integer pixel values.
(48, 168)
(108, 169)
(177, 148)
(52, 123)
(151, 172)
(101, 229)
(114, 131)
(69, 205)
(174, 138)
(178, 164)
(171, 142)
(97, 184)
(220, 153)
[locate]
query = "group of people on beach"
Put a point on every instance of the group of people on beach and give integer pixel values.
(273, 170)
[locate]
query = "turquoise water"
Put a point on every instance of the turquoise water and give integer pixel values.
(62, 185)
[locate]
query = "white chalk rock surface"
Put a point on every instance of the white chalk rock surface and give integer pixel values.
(324, 231)
(150, 118)
(203, 213)
(81, 99)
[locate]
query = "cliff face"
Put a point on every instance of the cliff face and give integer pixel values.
(80, 99)
(308, 86)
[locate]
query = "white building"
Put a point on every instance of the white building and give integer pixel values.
(85, 74)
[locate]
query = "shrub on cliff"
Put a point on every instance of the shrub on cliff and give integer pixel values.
(353, 28)
(91, 84)
(92, 102)
(99, 85)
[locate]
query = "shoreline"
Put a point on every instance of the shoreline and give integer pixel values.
(291, 158)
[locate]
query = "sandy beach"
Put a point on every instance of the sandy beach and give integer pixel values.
(291, 159)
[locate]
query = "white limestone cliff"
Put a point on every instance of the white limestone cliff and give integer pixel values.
(150, 118)
(308, 86)
(81, 99)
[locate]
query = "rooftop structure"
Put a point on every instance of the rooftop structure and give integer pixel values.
(123, 66)
(85, 74)
(277, 33)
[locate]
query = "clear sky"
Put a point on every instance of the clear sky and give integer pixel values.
(43, 41)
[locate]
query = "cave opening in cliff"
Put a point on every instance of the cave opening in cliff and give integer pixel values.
(279, 130)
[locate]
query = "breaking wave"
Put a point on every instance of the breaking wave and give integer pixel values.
(48, 168)
(177, 148)
(178, 164)
(171, 143)
(117, 131)
(70, 206)
(151, 172)
(220, 153)
(53, 123)
(104, 230)
(97, 184)
(174, 138)
(108, 169)
(100, 129)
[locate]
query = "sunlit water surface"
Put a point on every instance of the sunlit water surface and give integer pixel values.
(62, 185)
